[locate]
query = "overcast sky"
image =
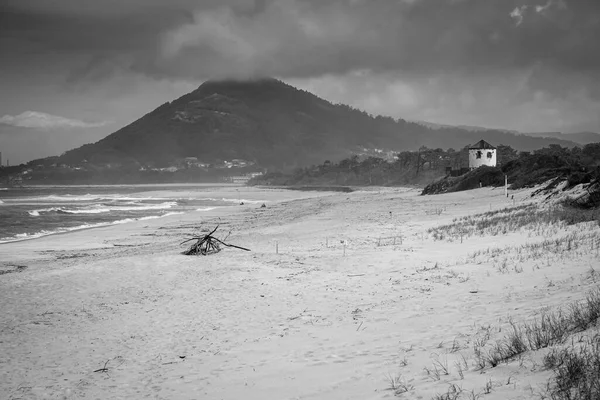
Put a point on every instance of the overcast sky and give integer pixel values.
(73, 71)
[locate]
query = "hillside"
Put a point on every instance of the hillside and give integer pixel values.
(273, 124)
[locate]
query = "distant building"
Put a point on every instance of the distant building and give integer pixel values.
(482, 153)
(240, 179)
(245, 178)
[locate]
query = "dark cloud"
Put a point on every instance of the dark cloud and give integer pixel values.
(304, 38)
(450, 57)
(500, 101)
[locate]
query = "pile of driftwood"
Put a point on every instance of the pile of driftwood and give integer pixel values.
(208, 244)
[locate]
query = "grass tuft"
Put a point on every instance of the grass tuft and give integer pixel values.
(576, 371)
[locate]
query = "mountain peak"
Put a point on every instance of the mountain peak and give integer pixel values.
(242, 83)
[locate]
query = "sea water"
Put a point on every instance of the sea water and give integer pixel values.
(31, 212)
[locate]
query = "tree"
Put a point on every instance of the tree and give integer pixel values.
(506, 154)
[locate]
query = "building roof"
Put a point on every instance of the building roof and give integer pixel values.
(482, 144)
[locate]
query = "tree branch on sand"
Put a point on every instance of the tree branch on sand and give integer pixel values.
(208, 244)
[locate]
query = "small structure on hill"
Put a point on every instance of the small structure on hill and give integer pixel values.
(482, 153)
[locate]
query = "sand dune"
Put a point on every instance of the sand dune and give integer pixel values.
(119, 313)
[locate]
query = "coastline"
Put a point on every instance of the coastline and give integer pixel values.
(322, 307)
(228, 193)
(255, 196)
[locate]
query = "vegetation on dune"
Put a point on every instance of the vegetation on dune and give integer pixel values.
(482, 176)
(556, 163)
(578, 165)
(575, 365)
(530, 217)
(561, 342)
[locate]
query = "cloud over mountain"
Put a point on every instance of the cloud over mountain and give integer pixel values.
(529, 65)
(307, 37)
(40, 120)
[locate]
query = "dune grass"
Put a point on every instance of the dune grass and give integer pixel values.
(531, 217)
(576, 370)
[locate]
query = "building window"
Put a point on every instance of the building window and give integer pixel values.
(489, 154)
(478, 154)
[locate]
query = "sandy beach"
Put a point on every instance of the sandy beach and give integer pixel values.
(341, 295)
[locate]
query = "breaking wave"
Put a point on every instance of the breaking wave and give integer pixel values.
(85, 198)
(206, 209)
(98, 209)
(42, 233)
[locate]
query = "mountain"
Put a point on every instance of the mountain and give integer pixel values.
(271, 124)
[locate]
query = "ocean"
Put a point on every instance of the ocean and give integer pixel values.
(36, 211)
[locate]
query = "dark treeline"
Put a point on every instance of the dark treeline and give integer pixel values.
(427, 165)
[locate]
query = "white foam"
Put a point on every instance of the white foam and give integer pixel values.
(68, 198)
(206, 209)
(98, 209)
(160, 216)
(236, 200)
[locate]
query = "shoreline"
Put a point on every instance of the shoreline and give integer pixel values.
(274, 196)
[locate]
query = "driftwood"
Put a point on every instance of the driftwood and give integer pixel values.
(208, 244)
(103, 369)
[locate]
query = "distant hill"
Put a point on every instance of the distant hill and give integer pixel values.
(579, 137)
(271, 124)
(471, 128)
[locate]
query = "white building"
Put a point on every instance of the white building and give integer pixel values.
(482, 153)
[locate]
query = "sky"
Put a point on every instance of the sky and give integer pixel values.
(74, 71)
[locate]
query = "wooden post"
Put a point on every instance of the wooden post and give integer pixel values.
(276, 247)
(506, 185)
